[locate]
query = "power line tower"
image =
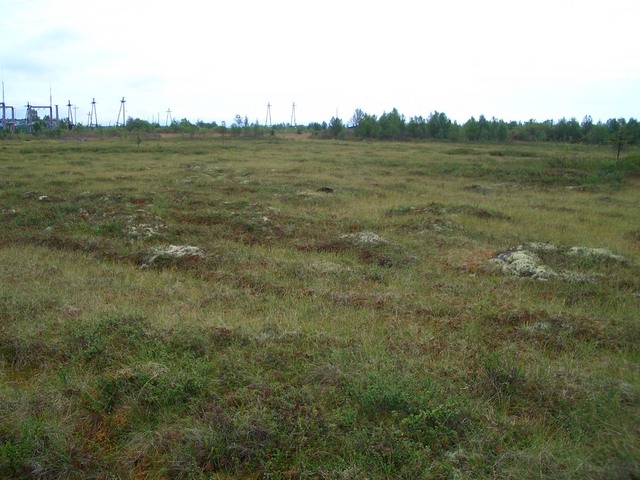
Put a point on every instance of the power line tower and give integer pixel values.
(4, 106)
(50, 106)
(121, 111)
(293, 114)
(30, 114)
(70, 121)
(268, 120)
(169, 120)
(93, 115)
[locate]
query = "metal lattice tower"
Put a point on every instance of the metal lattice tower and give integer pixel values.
(93, 115)
(121, 111)
(268, 120)
(70, 120)
(4, 106)
(169, 119)
(293, 114)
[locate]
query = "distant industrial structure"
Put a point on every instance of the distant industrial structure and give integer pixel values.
(31, 116)
(11, 123)
(37, 117)
(48, 116)
(5, 107)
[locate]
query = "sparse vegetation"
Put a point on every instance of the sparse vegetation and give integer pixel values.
(265, 307)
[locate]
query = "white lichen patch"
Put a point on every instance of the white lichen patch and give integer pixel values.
(439, 226)
(364, 239)
(522, 263)
(178, 251)
(539, 247)
(144, 230)
(151, 226)
(602, 253)
(172, 251)
(555, 326)
(569, 276)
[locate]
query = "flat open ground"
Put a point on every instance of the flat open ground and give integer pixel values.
(279, 308)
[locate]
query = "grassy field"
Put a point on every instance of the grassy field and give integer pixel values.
(296, 309)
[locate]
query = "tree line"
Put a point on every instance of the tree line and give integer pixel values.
(395, 126)
(437, 126)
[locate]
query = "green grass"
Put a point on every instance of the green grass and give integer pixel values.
(359, 332)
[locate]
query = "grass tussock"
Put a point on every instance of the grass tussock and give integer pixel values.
(306, 309)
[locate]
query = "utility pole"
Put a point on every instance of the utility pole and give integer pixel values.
(50, 106)
(93, 115)
(124, 119)
(4, 108)
(268, 120)
(69, 116)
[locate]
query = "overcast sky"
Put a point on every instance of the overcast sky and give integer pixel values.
(210, 60)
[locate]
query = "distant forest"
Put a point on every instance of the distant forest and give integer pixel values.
(395, 126)
(437, 126)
